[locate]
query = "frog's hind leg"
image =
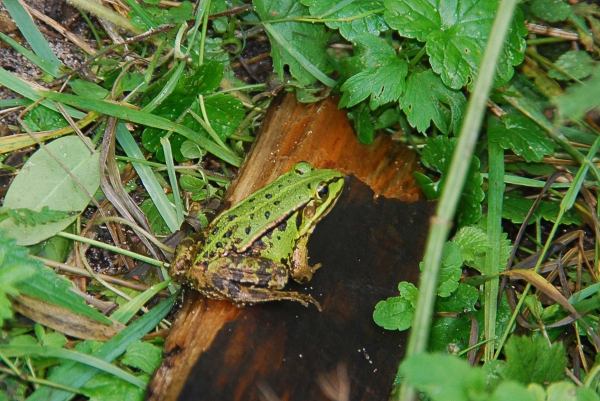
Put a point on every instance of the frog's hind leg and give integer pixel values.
(243, 294)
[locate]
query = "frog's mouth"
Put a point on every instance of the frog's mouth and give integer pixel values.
(322, 203)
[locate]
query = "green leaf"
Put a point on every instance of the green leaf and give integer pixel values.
(363, 125)
(372, 23)
(15, 267)
(299, 45)
(143, 356)
(579, 99)
(395, 313)
(41, 118)
(449, 332)
(516, 207)
(511, 391)
(383, 77)
(28, 217)
(522, 136)
(534, 360)
(429, 373)
(428, 99)
(455, 34)
(409, 292)
(472, 242)
(154, 217)
(190, 150)
(463, 299)
(565, 391)
(42, 182)
(451, 269)
(551, 10)
(106, 387)
(88, 89)
(578, 64)
(75, 375)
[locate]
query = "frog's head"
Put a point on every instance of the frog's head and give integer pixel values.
(326, 187)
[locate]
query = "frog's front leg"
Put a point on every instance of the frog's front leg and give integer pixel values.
(300, 270)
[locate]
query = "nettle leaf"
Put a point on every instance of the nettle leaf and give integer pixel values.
(451, 269)
(578, 64)
(455, 34)
(551, 10)
(42, 182)
(427, 99)
(471, 241)
(534, 360)
(308, 40)
(437, 155)
(351, 27)
(224, 112)
(382, 80)
(522, 136)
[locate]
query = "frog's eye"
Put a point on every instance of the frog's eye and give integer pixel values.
(323, 191)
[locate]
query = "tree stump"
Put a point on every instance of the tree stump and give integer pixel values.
(370, 241)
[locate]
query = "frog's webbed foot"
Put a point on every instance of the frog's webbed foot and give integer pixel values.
(243, 294)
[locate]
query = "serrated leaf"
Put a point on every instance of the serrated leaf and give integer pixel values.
(534, 360)
(437, 155)
(578, 64)
(142, 355)
(350, 26)
(427, 99)
(42, 182)
(451, 269)
(383, 82)
(429, 373)
(522, 136)
(551, 10)
(455, 34)
(395, 313)
(409, 292)
(471, 241)
(299, 45)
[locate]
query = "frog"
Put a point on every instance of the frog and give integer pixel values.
(247, 254)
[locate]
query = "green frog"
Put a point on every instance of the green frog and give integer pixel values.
(247, 254)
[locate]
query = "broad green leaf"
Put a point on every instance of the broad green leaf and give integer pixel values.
(516, 207)
(449, 331)
(472, 241)
(154, 217)
(299, 45)
(512, 391)
(75, 375)
(578, 64)
(534, 360)
(42, 182)
(143, 356)
(383, 82)
(455, 34)
(372, 23)
(522, 136)
(566, 391)
(551, 10)
(444, 377)
(363, 125)
(450, 271)
(427, 99)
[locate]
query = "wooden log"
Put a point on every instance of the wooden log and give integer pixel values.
(367, 244)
